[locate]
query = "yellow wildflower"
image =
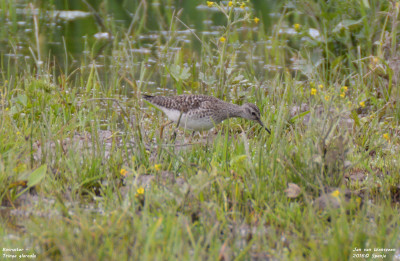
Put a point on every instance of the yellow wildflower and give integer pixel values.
(7, 109)
(140, 191)
(327, 97)
(243, 6)
(386, 136)
(230, 3)
(256, 20)
(123, 172)
(342, 94)
(157, 167)
(313, 91)
(222, 39)
(362, 104)
(209, 3)
(297, 27)
(344, 89)
(320, 86)
(335, 193)
(18, 133)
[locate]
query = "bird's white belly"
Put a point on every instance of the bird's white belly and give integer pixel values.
(173, 115)
(189, 122)
(198, 124)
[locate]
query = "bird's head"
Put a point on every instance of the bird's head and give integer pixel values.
(251, 112)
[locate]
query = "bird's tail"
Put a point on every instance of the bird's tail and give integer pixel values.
(147, 97)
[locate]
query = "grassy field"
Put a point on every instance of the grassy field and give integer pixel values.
(87, 172)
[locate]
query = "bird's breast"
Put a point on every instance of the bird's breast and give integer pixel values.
(172, 114)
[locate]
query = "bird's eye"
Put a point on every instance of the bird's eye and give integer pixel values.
(253, 113)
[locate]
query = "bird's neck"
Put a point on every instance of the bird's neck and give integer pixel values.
(235, 111)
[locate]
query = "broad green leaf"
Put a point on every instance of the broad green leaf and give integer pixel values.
(347, 25)
(366, 4)
(22, 99)
(179, 74)
(299, 116)
(37, 175)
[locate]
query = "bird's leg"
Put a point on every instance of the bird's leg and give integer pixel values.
(208, 134)
(162, 128)
(177, 125)
(192, 136)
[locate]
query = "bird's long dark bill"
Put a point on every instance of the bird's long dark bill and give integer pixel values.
(264, 127)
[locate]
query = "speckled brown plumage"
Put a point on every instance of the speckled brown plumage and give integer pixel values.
(183, 103)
